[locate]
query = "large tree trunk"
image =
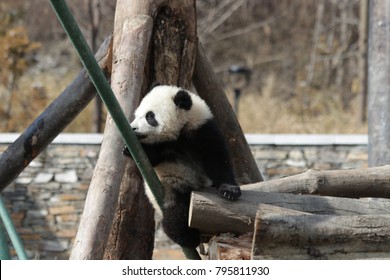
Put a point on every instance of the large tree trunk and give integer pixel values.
(129, 56)
(61, 112)
(170, 62)
(379, 83)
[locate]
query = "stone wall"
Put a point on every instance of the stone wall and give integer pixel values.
(47, 199)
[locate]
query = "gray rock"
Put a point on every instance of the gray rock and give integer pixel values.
(69, 176)
(43, 178)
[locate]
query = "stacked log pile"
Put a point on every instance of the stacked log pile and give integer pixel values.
(340, 214)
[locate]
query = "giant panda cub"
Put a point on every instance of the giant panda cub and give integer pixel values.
(187, 150)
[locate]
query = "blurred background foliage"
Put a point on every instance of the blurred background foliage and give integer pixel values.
(304, 55)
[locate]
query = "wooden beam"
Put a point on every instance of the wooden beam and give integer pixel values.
(212, 214)
(210, 89)
(365, 182)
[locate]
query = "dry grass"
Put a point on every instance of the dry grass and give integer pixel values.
(264, 113)
(261, 114)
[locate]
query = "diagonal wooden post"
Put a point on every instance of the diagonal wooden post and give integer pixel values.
(129, 55)
(209, 88)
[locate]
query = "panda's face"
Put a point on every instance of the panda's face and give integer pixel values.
(165, 111)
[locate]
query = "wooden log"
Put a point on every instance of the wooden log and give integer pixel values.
(281, 236)
(368, 182)
(210, 89)
(228, 247)
(131, 236)
(378, 83)
(100, 205)
(171, 62)
(212, 214)
(53, 120)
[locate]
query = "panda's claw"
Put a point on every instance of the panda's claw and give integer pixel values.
(230, 192)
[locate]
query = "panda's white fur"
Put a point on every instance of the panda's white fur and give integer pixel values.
(183, 143)
(162, 97)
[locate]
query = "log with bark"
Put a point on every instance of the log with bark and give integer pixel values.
(281, 234)
(228, 247)
(368, 182)
(126, 81)
(212, 214)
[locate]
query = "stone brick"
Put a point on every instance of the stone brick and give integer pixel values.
(30, 237)
(67, 218)
(62, 210)
(71, 197)
(357, 156)
(24, 180)
(37, 213)
(270, 154)
(66, 233)
(69, 176)
(43, 178)
(54, 246)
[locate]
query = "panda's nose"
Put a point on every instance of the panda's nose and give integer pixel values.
(135, 129)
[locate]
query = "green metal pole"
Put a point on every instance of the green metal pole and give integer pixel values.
(104, 90)
(13, 235)
(4, 249)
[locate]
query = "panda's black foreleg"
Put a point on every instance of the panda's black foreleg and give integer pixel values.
(175, 221)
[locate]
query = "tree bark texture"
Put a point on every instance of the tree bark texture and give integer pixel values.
(61, 112)
(129, 56)
(170, 61)
(369, 182)
(379, 83)
(132, 232)
(209, 88)
(212, 214)
(281, 236)
(227, 247)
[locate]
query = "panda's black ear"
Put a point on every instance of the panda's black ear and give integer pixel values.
(183, 100)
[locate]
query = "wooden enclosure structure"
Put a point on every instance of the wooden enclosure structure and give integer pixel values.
(340, 214)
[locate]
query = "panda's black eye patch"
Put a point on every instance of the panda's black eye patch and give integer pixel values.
(151, 119)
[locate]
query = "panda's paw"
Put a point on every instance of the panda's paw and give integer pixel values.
(231, 192)
(126, 152)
